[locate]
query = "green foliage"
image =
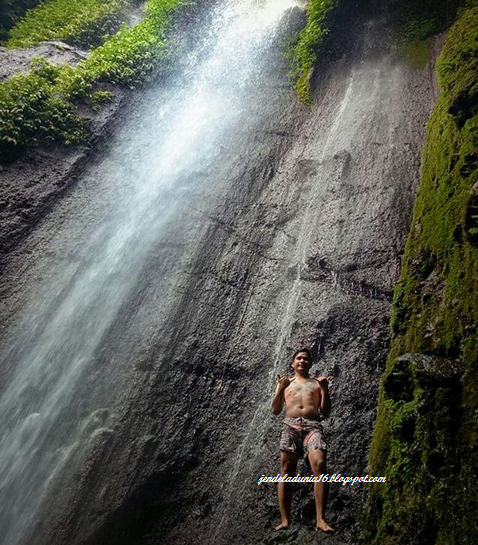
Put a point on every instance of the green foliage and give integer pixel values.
(131, 58)
(79, 22)
(418, 53)
(433, 477)
(30, 112)
(309, 41)
(419, 20)
(98, 98)
(40, 105)
(11, 11)
(416, 22)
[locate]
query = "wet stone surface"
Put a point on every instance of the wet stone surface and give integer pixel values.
(292, 236)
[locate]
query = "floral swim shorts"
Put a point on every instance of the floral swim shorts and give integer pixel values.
(301, 435)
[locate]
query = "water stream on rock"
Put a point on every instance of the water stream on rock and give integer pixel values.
(360, 99)
(304, 239)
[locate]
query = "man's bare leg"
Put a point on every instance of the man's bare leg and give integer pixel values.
(288, 463)
(321, 490)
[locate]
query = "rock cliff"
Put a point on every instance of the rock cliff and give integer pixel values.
(167, 315)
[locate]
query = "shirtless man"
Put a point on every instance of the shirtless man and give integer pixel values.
(302, 432)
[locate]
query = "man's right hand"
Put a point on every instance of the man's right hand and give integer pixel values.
(283, 381)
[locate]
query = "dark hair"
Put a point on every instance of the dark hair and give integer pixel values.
(306, 350)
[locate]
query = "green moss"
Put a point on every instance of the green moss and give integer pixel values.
(414, 447)
(133, 57)
(98, 98)
(310, 39)
(426, 436)
(79, 22)
(417, 21)
(417, 53)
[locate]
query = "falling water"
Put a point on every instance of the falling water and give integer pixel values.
(360, 95)
(50, 352)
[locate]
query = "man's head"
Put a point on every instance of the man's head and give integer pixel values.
(302, 361)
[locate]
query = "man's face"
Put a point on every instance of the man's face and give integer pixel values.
(302, 363)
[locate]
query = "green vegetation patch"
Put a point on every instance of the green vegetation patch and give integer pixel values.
(416, 22)
(79, 22)
(420, 20)
(11, 11)
(426, 436)
(30, 110)
(132, 57)
(418, 53)
(310, 39)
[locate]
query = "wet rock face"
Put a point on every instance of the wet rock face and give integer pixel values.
(31, 186)
(293, 237)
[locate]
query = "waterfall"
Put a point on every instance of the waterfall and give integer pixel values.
(53, 343)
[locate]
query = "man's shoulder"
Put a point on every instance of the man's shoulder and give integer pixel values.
(290, 382)
(317, 382)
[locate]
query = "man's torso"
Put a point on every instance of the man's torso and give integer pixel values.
(303, 399)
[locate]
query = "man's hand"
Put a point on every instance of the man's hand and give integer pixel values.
(278, 402)
(324, 396)
(283, 381)
(324, 381)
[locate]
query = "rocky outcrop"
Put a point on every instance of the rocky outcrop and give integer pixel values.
(426, 438)
(31, 186)
(14, 61)
(292, 235)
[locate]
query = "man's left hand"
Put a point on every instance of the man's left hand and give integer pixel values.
(324, 381)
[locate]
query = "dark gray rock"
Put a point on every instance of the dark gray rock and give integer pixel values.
(434, 368)
(291, 237)
(14, 61)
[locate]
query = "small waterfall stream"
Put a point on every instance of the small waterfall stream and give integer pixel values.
(304, 239)
(362, 97)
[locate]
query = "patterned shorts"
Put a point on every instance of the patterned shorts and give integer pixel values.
(301, 435)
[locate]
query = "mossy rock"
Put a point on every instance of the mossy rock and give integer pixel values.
(426, 435)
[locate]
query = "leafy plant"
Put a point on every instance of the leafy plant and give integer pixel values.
(40, 105)
(30, 112)
(79, 22)
(310, 39)
(98, 98)
(10, 13)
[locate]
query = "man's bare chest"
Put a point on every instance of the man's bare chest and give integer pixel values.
(297, 389)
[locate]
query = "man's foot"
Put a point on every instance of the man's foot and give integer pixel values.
(283, 525)
(324, 527)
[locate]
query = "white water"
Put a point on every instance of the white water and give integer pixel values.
(51, 351)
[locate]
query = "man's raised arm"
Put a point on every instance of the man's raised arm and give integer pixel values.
(278, 402)
(325, 404)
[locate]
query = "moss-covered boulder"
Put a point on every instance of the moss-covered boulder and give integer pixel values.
(426, 435)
